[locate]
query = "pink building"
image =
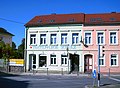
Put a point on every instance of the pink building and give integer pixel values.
(102, 29)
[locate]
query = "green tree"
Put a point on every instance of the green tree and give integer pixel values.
(21, 48)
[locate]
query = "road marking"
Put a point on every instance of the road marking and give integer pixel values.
(115, 79)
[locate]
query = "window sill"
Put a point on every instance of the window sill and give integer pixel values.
(114, 44)
(33, 45)
(114, 66)
(64, 44)
(76, 44)
(53, 65)
(43, 44)
(53, 44)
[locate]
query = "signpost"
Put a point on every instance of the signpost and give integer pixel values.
(94, 77)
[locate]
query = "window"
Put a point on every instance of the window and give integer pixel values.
(114, 60)
(43, 39)
(33, 39)
(53, 59)
(63, 59)
(100, 38)
(113, 38)
(64, 38)
(74, 38)
(88, 39)
(102, 61)
(53, 39)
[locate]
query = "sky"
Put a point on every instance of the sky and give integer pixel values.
(14, 14)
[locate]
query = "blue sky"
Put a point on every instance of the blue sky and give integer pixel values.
(24, 10)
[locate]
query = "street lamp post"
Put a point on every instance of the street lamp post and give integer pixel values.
(98, 66)
(68, 58)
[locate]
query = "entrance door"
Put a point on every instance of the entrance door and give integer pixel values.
(32, 62)
(74, 62)
(88, 63)
(42, 61)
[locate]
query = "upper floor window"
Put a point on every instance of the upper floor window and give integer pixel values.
(74, 38)
(53, 39)
(63, 59)
(64, 38)
(113, 38)
(33, 39)
(88, 39)
(100, 38)
(114, 60)
(43, 39)
(53, 60)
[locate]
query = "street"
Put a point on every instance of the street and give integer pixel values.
(51, 81)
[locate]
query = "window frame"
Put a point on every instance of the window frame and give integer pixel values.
(100, 38)
(64, 59)
(102, 58)
(43, 42)
(65, 38)
(76, 38)
(33, 40)
(53, 59)
(54, 39)
(114, 59)
(85, 37)
(116, 38)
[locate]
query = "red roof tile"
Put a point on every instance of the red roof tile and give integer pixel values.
(74, 18)
(102, 18)
(56, 19)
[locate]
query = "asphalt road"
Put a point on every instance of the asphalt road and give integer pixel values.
(56, 81)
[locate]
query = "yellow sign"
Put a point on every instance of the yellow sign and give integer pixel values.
(16, 62)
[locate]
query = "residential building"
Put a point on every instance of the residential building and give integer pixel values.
(6, 36)
(69, 42)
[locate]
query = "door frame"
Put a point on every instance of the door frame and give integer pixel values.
(92, 57)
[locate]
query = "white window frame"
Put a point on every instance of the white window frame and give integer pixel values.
(53, 59)
(114, 58)
(43, 42)
(116, 38)
(76, 38)
(102, 58)
(90, 36)
(65, 38)
(100, 38)
(33, 41)
(54, 39)
(64, 59)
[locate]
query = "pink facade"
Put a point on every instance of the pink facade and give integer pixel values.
(111, 61)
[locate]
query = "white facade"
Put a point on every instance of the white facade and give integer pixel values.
(54, 48)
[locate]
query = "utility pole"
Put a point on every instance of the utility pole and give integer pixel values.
(98, 65)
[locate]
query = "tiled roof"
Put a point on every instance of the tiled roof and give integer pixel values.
(104, 18)
(56, 19)
(3, 31)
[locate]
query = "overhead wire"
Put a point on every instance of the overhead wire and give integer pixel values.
(11, 21)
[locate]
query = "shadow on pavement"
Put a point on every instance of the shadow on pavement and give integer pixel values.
(9, 83)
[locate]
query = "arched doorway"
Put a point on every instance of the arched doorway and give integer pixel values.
(88, 63)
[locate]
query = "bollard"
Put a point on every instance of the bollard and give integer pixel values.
(61, 71)
(109, 72)
(47, 71)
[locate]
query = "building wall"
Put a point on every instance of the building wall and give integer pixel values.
(58, 49)
(109, 49)
(6, 38)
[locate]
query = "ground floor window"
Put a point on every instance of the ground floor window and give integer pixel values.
(102, 61)
(114, 60)
(42, 61)
(63, 59)
(53, 59)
